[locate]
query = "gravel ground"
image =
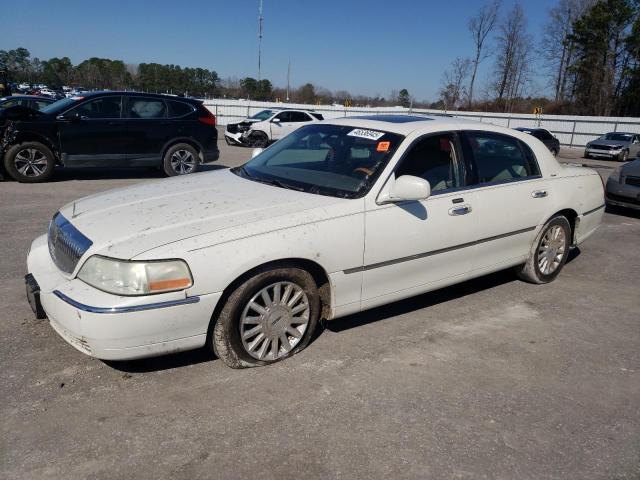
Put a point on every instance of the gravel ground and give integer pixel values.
(493, 378)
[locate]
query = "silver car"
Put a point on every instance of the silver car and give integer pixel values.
(623, 186)
(615, 145)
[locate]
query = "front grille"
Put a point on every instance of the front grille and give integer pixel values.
(66, 243)
(620, 198)
(601, 147)
(635, 181)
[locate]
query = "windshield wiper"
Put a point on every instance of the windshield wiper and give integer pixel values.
(278, 183)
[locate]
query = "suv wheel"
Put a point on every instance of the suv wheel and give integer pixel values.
(181, 159)
(258, 139)
(29, 162)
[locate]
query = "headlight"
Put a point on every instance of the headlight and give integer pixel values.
(616, 174)
(588, 145)
(123, 277)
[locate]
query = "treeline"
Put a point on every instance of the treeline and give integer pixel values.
(590, 53)
(98, 73)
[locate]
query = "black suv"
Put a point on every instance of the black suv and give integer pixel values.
(551, 142)
(108, 129)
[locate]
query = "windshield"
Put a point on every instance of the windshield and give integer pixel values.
(263, 115)
(57, 107)
(623, 137)
(333, 160)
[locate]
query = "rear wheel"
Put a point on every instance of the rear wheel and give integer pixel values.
(181, 159)
(29, 162)
(548, 253)
(268, 318)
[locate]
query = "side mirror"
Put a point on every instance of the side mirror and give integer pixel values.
(256, 152)
(405, 188)
(275, 120)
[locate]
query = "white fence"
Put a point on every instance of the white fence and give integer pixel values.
(572, 131)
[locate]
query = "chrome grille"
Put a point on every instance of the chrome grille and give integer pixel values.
(66, 243)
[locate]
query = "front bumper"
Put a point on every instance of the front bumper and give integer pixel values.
(113, 327)
(594, 152)
(622, 195)
(234, 138)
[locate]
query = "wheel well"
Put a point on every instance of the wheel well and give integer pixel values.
(572, 216)
(30, 137)
(318, 273)
(193, 143)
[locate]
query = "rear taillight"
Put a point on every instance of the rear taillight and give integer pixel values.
(210, 119)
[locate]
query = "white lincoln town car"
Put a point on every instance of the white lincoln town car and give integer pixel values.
(338, 217)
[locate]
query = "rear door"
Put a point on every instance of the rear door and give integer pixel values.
(93, 133)
(148, 127)
(512, 198)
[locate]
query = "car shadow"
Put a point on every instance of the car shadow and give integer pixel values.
(98, 173)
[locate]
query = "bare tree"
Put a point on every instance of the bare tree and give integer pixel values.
(512, 57)
(480, 26)
(453, 90)
(557, 45)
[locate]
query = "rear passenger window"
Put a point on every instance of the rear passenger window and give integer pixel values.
(500, 158)
(146, 108)
(179, 109)
(299, 117)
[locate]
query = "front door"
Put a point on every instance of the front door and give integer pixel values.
(282, 125)
(412, 247)
(93, 133)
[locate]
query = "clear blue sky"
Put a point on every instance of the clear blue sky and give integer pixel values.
(369, 47)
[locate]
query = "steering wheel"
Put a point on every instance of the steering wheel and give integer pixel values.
(368, 172)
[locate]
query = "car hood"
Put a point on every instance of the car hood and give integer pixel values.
(127, 222)
(610, 143)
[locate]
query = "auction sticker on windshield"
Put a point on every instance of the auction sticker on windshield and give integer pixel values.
(362, 133)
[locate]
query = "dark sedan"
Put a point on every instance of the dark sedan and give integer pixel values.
(623, 186)
(108, 129)
(28, 101)
(545, 136)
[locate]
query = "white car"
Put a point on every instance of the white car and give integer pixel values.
(268, 126)
(338, 217)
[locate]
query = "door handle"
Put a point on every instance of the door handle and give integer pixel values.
(539, 194)
(461, 210)
(116, 123)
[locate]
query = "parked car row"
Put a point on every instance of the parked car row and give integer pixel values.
(107, 129)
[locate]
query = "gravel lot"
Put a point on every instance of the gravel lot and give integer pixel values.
(493, 378)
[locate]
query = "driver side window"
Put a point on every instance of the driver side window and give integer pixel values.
(434, 158)
(107, 107)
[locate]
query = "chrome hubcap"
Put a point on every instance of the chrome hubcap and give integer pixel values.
(30, 162)
(274, 321)
(551, 250)
(182, 162)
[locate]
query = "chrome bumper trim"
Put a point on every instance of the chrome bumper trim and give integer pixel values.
(133, 308)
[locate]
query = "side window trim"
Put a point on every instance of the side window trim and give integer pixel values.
(460, 157)
(93, 99)
(474, 167)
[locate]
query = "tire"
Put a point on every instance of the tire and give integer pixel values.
(258, 139)
(238, 319)
(535, 269)
(180, 159)
(29, 162)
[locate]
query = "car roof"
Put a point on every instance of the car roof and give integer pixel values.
(105, 93)
(39, 97)
(406, 124)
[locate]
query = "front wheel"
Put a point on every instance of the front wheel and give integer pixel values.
(624, 156)
(268, 318)
(29, 162)
(181, 159)
(258, 139)
(548, 253)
